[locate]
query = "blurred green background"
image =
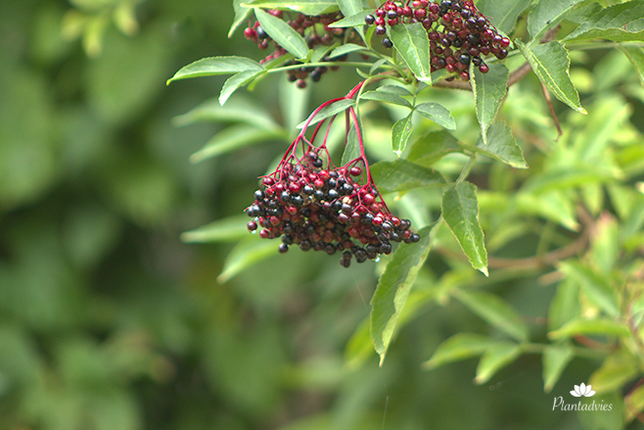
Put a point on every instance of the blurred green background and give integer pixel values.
(109, 322)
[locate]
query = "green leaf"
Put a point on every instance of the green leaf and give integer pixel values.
(246, 253)
(604, 327)
(554, 205)
(345, 49)
(329, 111)
(595, 286)
(232, 138)
(564, 306)
(393, 288)
(459, 347)
(489, 90)
(495, 357)
(400, 134)
(636, 56)
(555, 359)
(495, 311)
(402, 175)
(283, 34)
(233, 83)
(241, 16)
(551, 64)
(385, 97)
(431, 147)
(547, 14)
(306, 7)
(350, 7)
(212, 66)
(621, 23)
(461, 211)
(356, 20)
(501, 145)
(394, 89)
(566, 177)
(617, 369)
(224, 230)
(320, 52)
(503, 13)
(351, 147)
(437, 113)
(412, 44)
(634, 402)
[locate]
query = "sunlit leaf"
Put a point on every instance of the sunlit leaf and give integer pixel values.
(604, 327)
(495, 311)
(503, 13)
(551, 64)
(223, 230)
(501, 145)
(437, 113)
(617, 369)
(356, 20)
(402, 175)
(621, 22)
(282, 33)
(216, 66)
(400, 134)
(547, 14)
(241, 16)
(235, 82)
(385, 97)
(595, 286)
(431, 147)
(307, 7)
(394, 286)
(461, 211)
(345, 49)
(635, 55)
(489, 90)
(412, 44)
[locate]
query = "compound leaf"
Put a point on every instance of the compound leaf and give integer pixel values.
(412, 44)
(547, 14)
(211, 66)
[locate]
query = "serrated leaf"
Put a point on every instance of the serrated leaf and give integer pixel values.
(394, 89)
(412, 44)
(437, 113)
(282, 33)
(551, 64)
(241, 15)
(350, 7)
(246, 253)
(604, 327)
(385, 97)
(356, 20)
(636, 56)
(459, 347)
(495, 311)
(393, 288)
(621, 23)
(431, 147)
(489, 90)
(306, 7)
(402, 175)
(595, 286)
(235, 82)
(461, 211)
(502, 146)
(503, 13)
(400, 134)
(320, 52)
(212, 66)
(345, 49)
(232, 138)
(547, 14)
(235, 111)
(495, 357)
(555, 358)
(224, 230)
(329, 111)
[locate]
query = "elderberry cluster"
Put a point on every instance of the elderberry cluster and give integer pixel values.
(325, 210)
(315, 30)
(458, 33)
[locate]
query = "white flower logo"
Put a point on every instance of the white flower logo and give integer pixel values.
(582, 390)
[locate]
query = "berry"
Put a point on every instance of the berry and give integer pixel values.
(387, 43)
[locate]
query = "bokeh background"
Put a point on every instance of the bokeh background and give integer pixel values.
(109, 322)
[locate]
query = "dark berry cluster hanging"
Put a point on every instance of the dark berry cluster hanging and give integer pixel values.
(310, 203)
(315, 30)
(458, 33)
